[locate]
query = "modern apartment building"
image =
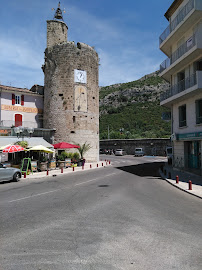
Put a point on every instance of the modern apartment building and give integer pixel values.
(182, 43)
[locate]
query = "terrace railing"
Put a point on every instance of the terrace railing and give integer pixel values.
(185, 47)
(177, 20)
(179, 87)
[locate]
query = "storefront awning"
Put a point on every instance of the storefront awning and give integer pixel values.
(33, 141)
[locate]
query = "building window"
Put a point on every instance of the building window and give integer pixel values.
(199, 111)
(17, 99)
(182, 116)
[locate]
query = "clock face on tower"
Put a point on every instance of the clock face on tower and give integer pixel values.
(80, 99)
(80, 76)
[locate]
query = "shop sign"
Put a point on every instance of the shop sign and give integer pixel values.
(20, 109)
(188, 136)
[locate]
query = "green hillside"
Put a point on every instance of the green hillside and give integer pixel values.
(139, 115)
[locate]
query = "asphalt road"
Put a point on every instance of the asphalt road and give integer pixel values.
(118, 217)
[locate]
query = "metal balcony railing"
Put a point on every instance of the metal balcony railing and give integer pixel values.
(177, 20)
(179, 87)
(185, 47)
(9, 123)
(165, 64)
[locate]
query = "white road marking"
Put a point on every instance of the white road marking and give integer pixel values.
(55, 190)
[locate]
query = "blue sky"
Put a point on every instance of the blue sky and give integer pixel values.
(124, 33)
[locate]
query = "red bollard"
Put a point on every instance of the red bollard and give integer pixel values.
(190, 185)
(25, 175)
(82, 167)
(47, 172)
(61, 170)
(73, 169)
(109, 162)
(177, 179)
(102, 164)
(97, 165)
(90, 166)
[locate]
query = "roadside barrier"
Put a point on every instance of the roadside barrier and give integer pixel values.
(190, 185)
(102, 164)
(90, 166)
(73, 169)
(97, 165)
(25, 175)
(61, 170)
(47, 172)
(177, 179)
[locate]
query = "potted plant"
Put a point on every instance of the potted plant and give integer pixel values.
(61, 159)
(43, 164)
(75, 158)
(82, 150)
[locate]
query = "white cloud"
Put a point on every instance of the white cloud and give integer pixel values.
(19, 53)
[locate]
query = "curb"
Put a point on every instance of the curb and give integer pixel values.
(55, 173)
(167, 180)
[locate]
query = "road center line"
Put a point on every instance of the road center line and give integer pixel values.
(55, 190)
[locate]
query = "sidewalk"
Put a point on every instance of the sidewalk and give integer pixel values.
(169, 174)
(57, 172)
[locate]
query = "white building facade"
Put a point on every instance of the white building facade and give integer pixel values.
(182, 43)
(20, 107)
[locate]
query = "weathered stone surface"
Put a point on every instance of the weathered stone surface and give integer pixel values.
(61, 60)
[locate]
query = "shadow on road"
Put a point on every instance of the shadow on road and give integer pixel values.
(143, 170)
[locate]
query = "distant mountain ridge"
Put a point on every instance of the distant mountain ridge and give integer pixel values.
(140, 97)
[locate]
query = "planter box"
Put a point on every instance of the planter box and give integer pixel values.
(43, 166)
(61, 164)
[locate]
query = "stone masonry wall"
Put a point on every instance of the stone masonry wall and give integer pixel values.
(56, 33)
(156, 147)
(71, 126)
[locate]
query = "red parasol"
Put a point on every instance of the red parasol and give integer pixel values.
(64, 145)
(13, 149)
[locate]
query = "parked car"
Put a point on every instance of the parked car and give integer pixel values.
(120, 152)
(9, 173)
(139, 152)
(102, 151)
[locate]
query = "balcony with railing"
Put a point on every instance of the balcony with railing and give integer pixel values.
(184, 48)
(177, 20)
(9, 123)
(179, 87)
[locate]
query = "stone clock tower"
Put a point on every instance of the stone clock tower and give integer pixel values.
(71, 93)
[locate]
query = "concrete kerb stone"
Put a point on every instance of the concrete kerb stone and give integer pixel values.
(172, 182)
(57, 172)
